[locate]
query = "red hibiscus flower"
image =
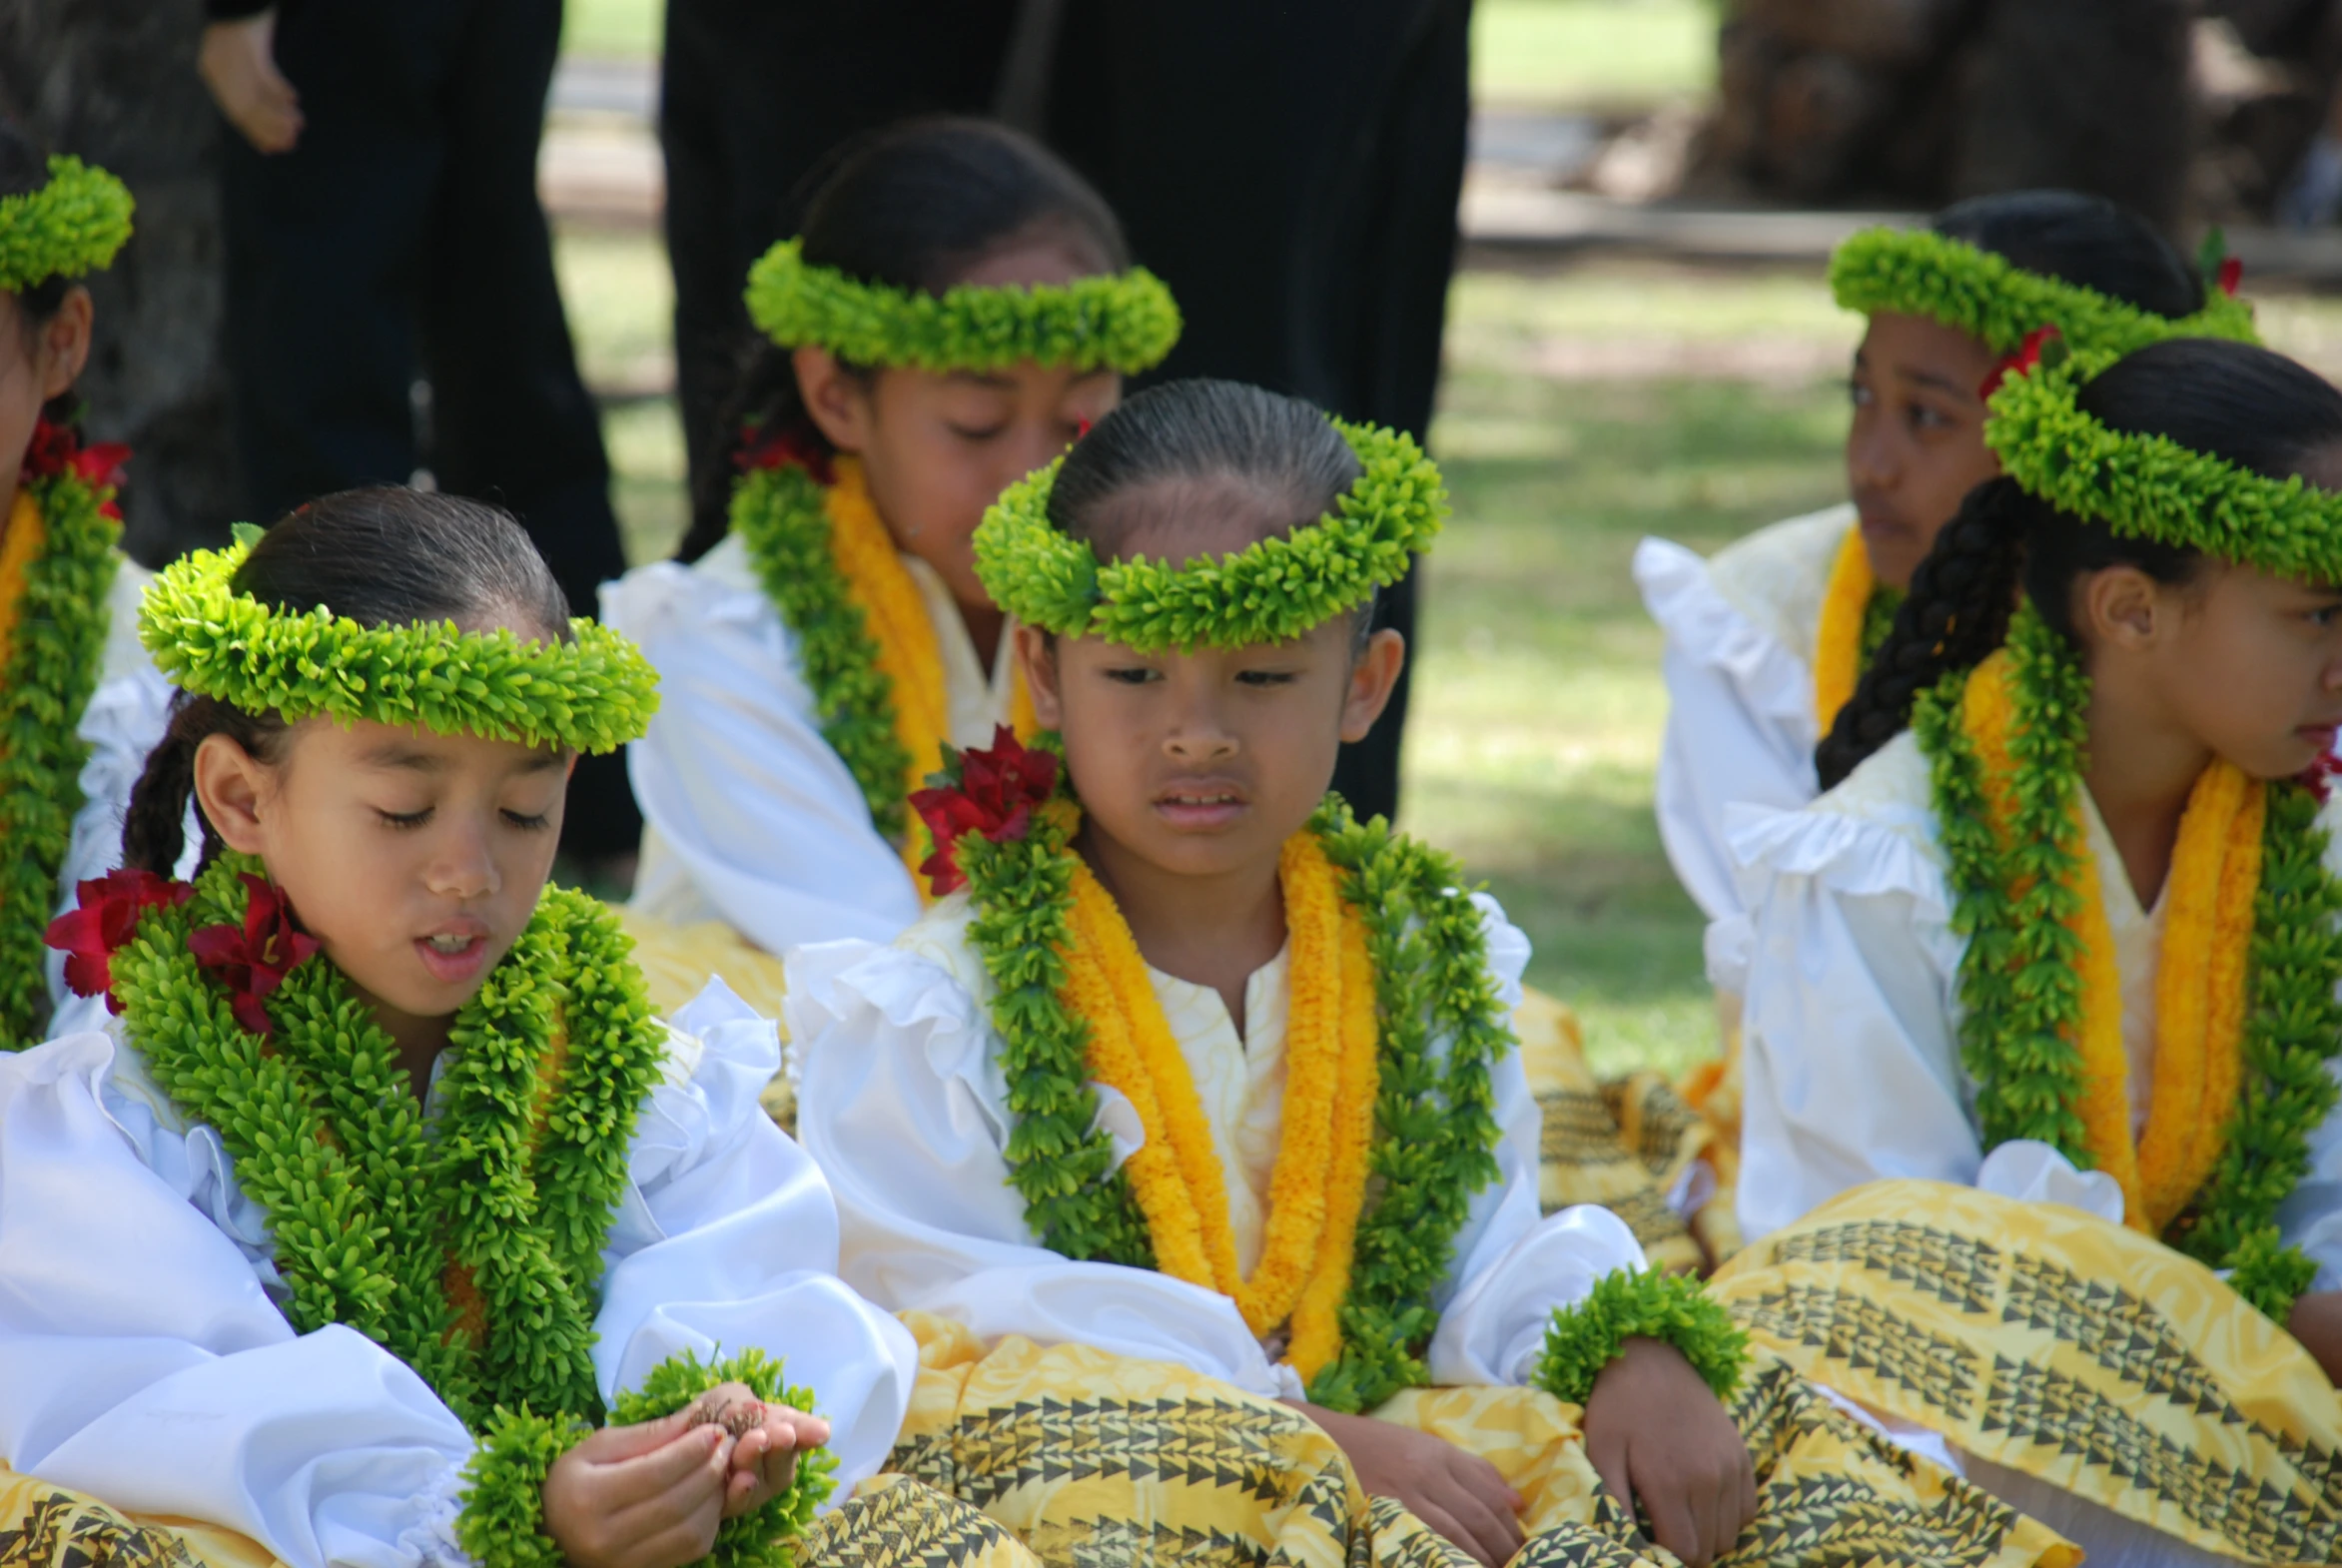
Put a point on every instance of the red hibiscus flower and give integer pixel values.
(2230, 275)
(783, 449)
(56, 452)
(989, 790)
(254, 962)
(2037, 350)
(102, 922)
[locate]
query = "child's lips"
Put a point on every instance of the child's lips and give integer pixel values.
(1200, 807)
(456, 954)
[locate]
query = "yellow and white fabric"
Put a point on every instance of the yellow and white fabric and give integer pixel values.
(902, 1101)
(1741, 629)
(144, 1362)
(1851, 1049)
(750, 818)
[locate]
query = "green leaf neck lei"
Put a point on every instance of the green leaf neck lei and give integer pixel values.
(1435, 1136)
(470, 1250)
(2020, 991)
(781, 516)
(57, 646)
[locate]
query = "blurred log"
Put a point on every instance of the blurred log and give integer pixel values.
(114, 80)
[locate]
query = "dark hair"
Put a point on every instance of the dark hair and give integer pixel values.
(24, 169)
(2256, 409)
(1202, 429)
(2086, 241)
(914, 206)
(381, 557)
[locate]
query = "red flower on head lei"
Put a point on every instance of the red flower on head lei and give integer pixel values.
(102, 922)
(992, 790)
(2318, 778)
(2042, 346)
(253, 961)
(56, 451)
(786, 447)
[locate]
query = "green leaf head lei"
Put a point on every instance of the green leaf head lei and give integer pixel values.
(595, 693)
(1271, 592)
(71, 226)
(1916, 272)
(1124, 321)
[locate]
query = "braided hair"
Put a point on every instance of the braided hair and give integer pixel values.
(2254, 407)
(380, 556)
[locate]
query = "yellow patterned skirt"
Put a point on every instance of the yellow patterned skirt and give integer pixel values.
(891, 1522)
(2076, 1352)
(1093, 1458)
(1622, 1143)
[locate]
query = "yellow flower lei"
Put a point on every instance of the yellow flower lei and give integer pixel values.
(2200, 981)
(1319, 1183)
(900, 636)
(18, 548)
(1838, 640)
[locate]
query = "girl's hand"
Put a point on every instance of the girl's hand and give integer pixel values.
(1656, 1433)
(238, 62)
(2317, 1323)
(1456, 1493)
(642, 1496)
(765, 1438)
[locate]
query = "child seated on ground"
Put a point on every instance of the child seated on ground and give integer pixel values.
(2065, 947)
(1766, 640)
(960, 306)
(1191, 1136)
(80, 703)
(383, 1190)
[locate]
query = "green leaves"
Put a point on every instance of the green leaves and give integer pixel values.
(1916, 272)
(779, 515)
(1126, 321)
(2152, 488)
(594, 694)
(51, 671)
(367, 1208)
(1629, 1303)
(1271, 592)
(71, 226)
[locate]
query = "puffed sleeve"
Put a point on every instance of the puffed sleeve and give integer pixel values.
(904, 1107)
(1512, 1267)
(1849, 1056)
(756, 814)
(1739, 723)
(143, 1361)
(728, 1240)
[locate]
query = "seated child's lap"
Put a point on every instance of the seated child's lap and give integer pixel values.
(45, 1525)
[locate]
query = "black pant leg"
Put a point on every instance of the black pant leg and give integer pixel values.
(756, 94)
(323, 247)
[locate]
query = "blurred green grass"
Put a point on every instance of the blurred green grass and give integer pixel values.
(1592, 52)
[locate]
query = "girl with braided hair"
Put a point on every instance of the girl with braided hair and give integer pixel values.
(1766, 640)
(2042, 1041)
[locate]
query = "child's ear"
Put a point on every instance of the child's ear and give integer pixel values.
(65, 344)
(837, 401)
(230, 785)
(1373, 675)
(2124, 608)
(1041, 676)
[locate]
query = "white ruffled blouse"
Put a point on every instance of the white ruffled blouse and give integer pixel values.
(750, 818)
(1740, 685)
(904, 1102)
(145, 1361)
(124, 721)
(1850, 970)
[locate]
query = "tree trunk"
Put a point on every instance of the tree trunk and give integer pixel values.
(114, 82)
